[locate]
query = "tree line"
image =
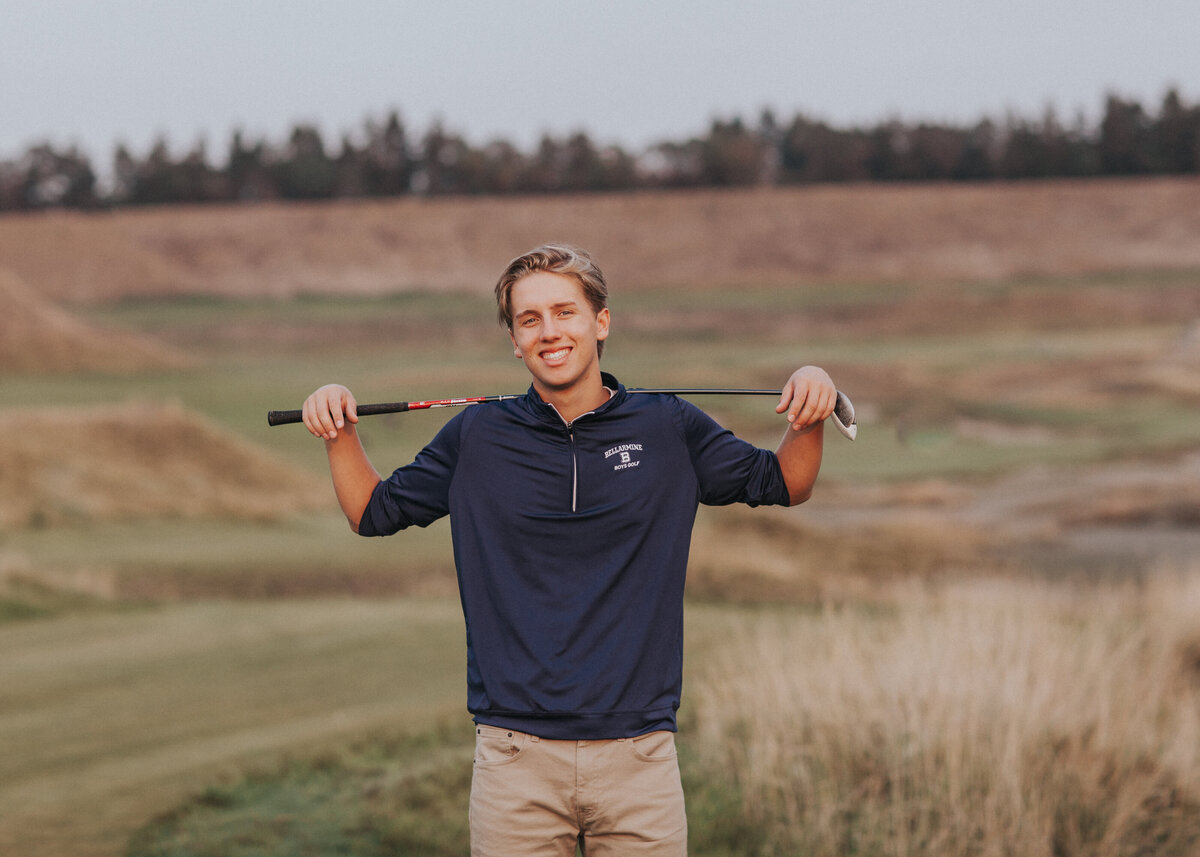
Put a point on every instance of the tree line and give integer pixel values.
(387, 159)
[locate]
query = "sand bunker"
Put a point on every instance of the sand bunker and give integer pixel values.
(37, 336)
(138, 461)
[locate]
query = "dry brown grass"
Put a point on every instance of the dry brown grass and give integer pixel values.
(72, 465)
(991, 718)
(778, 556)
(37, 336)
(758, 236)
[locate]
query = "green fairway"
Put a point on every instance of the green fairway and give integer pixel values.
(109, 719)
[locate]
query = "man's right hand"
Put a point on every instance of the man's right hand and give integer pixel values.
(328, 409)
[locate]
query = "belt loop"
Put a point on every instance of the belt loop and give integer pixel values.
(534, 738)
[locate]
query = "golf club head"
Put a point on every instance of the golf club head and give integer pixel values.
(843, 416)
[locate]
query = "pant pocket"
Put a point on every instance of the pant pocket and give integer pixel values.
(655, 746)
(497, 746)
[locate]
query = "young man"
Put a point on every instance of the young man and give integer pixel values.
(571, 514)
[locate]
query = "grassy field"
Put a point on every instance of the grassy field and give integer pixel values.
(992, 590)
(231, 719)
(113, 716)
(1002, 391)
(1016, 718)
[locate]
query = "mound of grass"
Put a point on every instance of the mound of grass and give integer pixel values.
(381, 796)
(137, 460)
(36, 336)
(15, 609)
(22, 599)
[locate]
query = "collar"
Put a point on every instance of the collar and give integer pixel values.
(548, 413)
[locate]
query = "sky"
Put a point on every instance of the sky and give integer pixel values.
(94, 73)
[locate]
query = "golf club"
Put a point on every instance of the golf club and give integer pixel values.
(843, 411)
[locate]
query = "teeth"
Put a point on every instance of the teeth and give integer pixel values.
(555, 355)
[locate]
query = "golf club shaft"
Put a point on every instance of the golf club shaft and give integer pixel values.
(843, 412)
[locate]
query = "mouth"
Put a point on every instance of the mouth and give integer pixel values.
(556, 356)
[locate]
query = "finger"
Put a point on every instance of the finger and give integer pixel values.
(336, 414)
(824, 399)
(325, 415)
(815, 407)
(333, 418)
(799, 405)
(785, 398)
(818, 406)
(312, 421)
(805, 416)
(829, 403)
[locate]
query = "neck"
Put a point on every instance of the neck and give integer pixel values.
(577, 400)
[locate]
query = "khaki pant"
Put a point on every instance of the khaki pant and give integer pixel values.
(534, 796)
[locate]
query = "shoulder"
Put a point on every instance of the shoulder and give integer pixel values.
(638, 403)
(485, 418)
(691, 418)
(664, 411)
(452, 431)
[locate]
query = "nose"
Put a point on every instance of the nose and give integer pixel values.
(550, 328)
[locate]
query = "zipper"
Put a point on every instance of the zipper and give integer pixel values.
(574, 468)
(570, 426)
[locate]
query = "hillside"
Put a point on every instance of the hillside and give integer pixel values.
(855, 232)
(127, 462)
(37, 336)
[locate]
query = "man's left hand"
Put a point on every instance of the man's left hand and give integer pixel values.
(809, 397)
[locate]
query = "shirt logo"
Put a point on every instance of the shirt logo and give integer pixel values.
(624, 455)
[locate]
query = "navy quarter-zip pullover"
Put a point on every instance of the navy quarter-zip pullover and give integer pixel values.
(571, 546)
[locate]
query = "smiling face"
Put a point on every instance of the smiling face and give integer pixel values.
(556, 333)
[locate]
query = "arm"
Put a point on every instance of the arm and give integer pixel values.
(331, 413)
(808, 398)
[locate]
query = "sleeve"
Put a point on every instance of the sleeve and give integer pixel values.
(729, 469)
(417, 493)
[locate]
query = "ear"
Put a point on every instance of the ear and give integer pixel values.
(603, 319)
(516, 348)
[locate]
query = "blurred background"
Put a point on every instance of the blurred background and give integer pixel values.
(980, 635)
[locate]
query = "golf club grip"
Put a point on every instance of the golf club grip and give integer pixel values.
(282, 418)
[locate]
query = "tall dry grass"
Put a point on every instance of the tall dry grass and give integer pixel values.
(986, 718)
